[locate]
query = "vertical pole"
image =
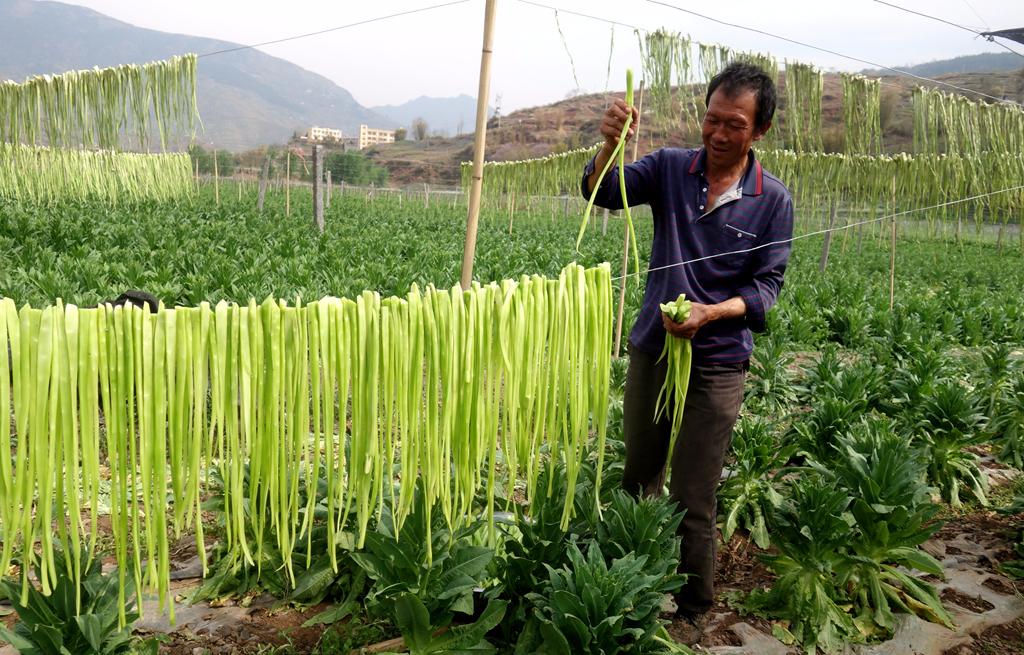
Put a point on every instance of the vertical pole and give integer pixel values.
(287, 184)
(197, 174)
(426, 195)
(892, 266)
(480, 141)
(216, 179)
(625, 246)
(823, 262)
(329, 188)
(565, 206)
(341, 188)
(604, 223)
(318, 192)
(264, 178)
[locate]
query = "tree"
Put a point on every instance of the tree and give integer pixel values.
(419, 128)
(400, 134)
(354, 168)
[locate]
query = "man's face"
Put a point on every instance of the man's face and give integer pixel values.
(728, 130)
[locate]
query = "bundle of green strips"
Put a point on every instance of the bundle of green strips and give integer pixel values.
(145, 404)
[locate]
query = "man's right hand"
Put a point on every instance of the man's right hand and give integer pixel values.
(611, 128)
(614, 119)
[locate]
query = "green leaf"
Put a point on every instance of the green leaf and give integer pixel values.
(92, 630)
(413, 621)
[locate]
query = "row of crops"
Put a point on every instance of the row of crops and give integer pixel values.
(937, 378)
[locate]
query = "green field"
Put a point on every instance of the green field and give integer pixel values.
(862, 425)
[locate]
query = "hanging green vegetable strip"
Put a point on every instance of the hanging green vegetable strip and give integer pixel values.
(678, 354)
(439, 381)
(862, 115)
(42, 175)
(618, 156)
(93, 107)
(804, 87)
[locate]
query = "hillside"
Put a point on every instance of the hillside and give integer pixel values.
(246, 98)
(573, 123)
(447, 116)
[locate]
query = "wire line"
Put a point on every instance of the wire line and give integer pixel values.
(831, 52)
(812, 234)
(335, 29)
(989, 38)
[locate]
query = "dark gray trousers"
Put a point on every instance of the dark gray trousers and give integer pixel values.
(712, 404)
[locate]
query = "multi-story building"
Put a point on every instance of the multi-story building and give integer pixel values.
(369, 136)
(323, 134)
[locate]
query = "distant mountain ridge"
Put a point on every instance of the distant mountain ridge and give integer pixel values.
(445, 116)
(986, 62)
(246, 98)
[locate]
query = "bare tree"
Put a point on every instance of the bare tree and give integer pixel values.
(419, 128)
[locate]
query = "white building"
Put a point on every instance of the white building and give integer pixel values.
(323, 134)
(369, 136)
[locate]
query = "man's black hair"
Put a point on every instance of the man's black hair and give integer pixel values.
(740, 76)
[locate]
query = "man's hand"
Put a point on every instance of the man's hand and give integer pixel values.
(611, 128)
(700, 315)
(614, 119)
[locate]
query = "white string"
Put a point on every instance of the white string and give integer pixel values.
(812, 234)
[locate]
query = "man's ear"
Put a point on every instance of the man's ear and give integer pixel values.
(759, 134)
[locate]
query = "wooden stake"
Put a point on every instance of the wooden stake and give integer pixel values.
(287, 184)
(823, 262)
(318, 192)
(264, 178)
(617, 352)
(216, 179)
(426, 195)
(329, 188)
(480, 141)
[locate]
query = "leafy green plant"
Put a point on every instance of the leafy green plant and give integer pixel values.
(72, 620)
(1007, 426)
(589, 606)
(424, 574)
(949, 421)
(770, 384)
(894, 515)
(810, 529)
(750, 492)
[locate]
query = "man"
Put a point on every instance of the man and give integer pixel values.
(706, 201)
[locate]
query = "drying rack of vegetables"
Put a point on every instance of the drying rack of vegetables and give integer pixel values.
(438, 381)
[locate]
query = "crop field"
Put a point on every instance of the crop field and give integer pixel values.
(871, 439)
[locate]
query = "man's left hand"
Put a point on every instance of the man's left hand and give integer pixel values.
(700, 315)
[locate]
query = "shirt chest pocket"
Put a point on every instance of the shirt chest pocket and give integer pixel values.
(732, 245)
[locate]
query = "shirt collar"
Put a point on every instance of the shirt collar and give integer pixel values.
(753, 178)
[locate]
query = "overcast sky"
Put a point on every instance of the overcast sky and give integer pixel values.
(437, 53)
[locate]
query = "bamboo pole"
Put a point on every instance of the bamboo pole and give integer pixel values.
(287, 184)
(480, 140)
(892, 266)
(625, 247)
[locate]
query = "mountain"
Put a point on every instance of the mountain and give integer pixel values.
(246, 98)
(986, 62)
(444, 116)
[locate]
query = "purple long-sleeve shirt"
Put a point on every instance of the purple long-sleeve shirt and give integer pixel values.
(672, 182)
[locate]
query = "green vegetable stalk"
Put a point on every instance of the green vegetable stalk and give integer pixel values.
(619, 155)
(678, 353)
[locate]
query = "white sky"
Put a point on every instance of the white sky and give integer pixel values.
(437, 53)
